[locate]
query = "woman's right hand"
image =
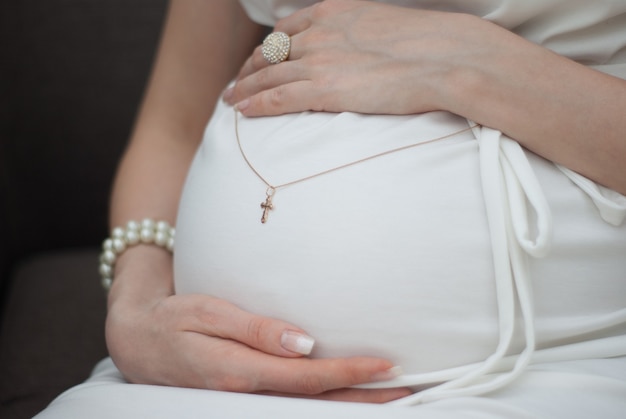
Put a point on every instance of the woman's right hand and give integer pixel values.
(156, 337)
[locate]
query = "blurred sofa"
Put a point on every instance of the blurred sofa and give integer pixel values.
(72, 73)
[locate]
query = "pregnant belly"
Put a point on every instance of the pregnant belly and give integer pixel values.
(390, 257)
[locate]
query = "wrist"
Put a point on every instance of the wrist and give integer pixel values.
(134, 233)
(143, 273)
(141, 251)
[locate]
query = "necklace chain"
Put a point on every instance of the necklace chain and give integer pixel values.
(267, 205)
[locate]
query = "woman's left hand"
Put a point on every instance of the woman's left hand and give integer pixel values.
(363, 57)
(367, 57)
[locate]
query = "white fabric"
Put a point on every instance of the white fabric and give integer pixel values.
(586, 389)
(494, 278)
(360, 258)
(591, 32)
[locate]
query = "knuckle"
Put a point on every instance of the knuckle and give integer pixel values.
(280, 25)
(210, 314)
(207, 314)
(310, 384)
(257, 61)
(353, 376)
(322, 9)
(327, 8)
(276, 97)
(262, 78)
(312, 37)
(210, 319)
(258, 53)
(255, 331)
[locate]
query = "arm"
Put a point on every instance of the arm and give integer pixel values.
(193, 65)
(374, 58)
(198, 341)
(555, 107)
(202, 47)
(190, 70)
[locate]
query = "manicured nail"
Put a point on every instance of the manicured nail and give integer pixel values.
(228, 94)
(241, 106)
(297, 342)
(390, 374)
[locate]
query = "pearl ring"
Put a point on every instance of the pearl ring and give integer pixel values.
(276, 47)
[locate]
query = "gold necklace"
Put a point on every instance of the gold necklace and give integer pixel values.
(267, 205)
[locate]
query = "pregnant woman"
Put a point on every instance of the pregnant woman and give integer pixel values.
(411, 203)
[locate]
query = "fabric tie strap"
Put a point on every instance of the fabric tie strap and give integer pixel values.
(611, 204)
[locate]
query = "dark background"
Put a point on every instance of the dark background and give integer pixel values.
(72, 73)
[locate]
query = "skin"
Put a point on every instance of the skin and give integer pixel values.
(154, 336)
(367, 57)
(346, 56)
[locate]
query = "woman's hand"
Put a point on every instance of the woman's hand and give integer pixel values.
(203, 342)
(361, 56)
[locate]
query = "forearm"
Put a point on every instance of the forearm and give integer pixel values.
(148, 185)
(381, 59)
(198, 55)
(559, 109)
(203, 45)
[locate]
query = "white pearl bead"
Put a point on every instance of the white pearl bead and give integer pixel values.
(146, 231)
(147, 235)
(162, 226)
(106, 283)
(132, 237)
(108, 244)
(106, 270)
(133, 225)
(117, 233)
(160, 238)
(119, 245)
(147, 223)
(108, 257)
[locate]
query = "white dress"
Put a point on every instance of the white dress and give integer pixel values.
(494, 278)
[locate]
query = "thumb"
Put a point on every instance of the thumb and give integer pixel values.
(296, 341)
(272, 336)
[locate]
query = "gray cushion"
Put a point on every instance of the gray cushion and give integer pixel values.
(52, 329)
(71, 78)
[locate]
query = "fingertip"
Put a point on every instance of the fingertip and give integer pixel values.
(252, 107)
(297, 342)
(387, 374)
(242, 106)
(228, 94)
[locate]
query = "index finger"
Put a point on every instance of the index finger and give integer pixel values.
(219, 318)
(257, 371)
(316, 376)
(297, 22)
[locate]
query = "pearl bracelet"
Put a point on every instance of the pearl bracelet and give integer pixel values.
(159, 233)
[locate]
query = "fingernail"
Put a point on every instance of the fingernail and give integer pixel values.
(390, 374)
(297, 342)
(241, 106)
(228, 94)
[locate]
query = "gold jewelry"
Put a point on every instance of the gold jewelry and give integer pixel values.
(268, 205)
(276, 47)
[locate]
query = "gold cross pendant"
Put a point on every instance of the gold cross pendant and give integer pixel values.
(267, 205)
